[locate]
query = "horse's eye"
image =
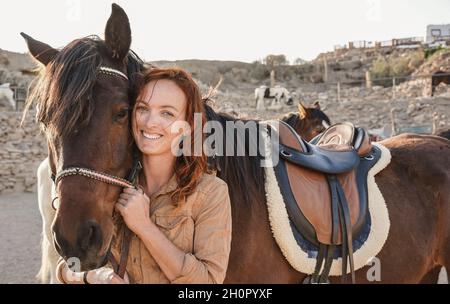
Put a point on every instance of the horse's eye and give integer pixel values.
(122, 114)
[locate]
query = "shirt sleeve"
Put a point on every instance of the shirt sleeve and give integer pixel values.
(212, 240)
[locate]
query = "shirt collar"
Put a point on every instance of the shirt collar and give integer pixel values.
(170, 186)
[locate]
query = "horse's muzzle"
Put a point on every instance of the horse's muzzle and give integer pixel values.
(86, 248)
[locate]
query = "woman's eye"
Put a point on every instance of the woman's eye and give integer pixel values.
(169, 114)
(141, 109)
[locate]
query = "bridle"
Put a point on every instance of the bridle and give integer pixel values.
(90, 173)
(129, 182)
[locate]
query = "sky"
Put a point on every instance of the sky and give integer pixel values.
(241, 30)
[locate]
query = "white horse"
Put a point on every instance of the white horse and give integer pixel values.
(272, 98)
(8, 94)
(49, 256)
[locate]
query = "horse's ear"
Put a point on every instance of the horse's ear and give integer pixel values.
(118, 33)
(317, 105)
(39, 50)
(302, 111)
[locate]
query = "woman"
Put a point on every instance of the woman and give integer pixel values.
(181, 218)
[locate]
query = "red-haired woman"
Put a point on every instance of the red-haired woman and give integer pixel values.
(181, 218)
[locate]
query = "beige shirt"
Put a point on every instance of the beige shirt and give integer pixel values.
(200, 226)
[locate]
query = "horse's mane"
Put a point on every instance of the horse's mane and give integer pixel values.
(291, 118)
(63, 93)
(244, 174)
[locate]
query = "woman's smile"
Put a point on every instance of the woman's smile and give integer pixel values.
(151, 136)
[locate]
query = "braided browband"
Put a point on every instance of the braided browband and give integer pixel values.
(111, 72)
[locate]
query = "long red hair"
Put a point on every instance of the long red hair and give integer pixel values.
(188, 168)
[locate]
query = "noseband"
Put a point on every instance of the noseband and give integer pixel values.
(103, 177)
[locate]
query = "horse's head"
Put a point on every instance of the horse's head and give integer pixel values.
(308, 121)
(84, 102)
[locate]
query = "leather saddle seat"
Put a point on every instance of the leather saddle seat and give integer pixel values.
(324, 184)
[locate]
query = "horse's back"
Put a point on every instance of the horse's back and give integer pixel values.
(427, 153)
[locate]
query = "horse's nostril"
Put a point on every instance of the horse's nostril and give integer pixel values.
(90, 235)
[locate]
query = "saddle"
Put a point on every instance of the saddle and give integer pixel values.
(324, 186)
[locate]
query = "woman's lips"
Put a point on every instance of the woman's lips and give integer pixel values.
(151, 136)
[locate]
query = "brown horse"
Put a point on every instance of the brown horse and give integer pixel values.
(437, 78)
(445, 133)
(308, 121)
(416, 188)
(84, 102)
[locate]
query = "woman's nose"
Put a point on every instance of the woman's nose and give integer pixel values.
(152, 120)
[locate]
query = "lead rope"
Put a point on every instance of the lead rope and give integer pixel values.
(120, 268)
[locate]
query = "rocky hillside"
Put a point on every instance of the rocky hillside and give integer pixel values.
(22, 148)
(15, 68)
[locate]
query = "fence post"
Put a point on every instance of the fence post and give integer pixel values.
(339, 92)
(368, 80)
(272, 78)
(393, 123)
(393, 88)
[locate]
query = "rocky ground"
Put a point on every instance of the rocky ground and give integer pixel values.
(20, 224)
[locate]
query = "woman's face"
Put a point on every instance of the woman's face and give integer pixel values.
(158, 106)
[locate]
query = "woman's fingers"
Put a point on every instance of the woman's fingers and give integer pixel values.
(126, 195)
(126, 278)
(119, 207)
(130, 191)
(115, 279)
(122, 202)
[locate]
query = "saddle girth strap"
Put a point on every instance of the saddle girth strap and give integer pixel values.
(347, 238)
(339, 200)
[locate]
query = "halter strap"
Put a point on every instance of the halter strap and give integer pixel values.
(112, 72)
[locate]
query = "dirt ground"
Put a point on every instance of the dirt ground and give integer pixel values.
(20, 226)
(20, 231)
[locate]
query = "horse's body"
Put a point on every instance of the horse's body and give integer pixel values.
(445, 133)
(437, 78)
(272, 98)
(46, 191)
(7, 94)
(416, 189)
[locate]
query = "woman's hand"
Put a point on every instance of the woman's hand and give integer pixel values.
(105, 275)
(134, 206)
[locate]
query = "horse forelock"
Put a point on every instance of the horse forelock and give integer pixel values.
(64, 92)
